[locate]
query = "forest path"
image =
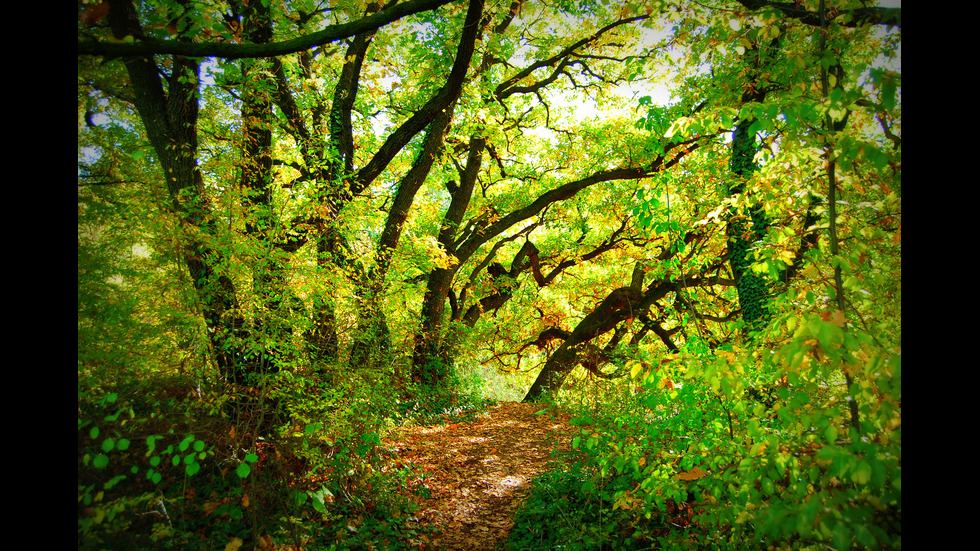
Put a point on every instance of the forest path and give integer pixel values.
(480, 471)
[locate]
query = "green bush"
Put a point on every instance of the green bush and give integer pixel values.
(572, 509)
(733, 449)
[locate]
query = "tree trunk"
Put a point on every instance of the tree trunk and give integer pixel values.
(373, 333)
(269, 285)
(619, 305)
(744, 232)
(428, 362)
(170, 120)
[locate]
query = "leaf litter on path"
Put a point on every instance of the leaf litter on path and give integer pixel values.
(479, 472)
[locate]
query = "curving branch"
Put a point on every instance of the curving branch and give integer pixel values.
(857, 17)
(136, 44)
(528, 258)
(448, 94)
(558, 64)
(621, 305)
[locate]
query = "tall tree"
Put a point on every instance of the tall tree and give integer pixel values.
(404, 169)
(168, 107)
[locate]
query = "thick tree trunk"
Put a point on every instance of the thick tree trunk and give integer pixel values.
(170, 120)
(322, 341)
(269, 285)
(744, 231)
(428, 362)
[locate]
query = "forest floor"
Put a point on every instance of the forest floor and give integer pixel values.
(479, 472)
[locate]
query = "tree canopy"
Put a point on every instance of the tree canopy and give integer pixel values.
(695, 203)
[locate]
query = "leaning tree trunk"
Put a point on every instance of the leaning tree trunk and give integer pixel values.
(619, 305)
(373, 333)
(428, 362)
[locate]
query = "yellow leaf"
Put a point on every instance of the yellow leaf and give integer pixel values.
(838, 318)
(693, 474)
(637, 367)
(234, 544)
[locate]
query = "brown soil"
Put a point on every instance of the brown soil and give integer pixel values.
(479, 472)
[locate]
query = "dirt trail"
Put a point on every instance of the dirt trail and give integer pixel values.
(479, 472)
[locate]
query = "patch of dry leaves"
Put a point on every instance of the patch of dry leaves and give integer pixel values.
(479, 472)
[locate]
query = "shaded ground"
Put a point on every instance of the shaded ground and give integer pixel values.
(480, 472)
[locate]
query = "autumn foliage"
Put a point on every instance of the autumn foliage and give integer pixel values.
(519, 275)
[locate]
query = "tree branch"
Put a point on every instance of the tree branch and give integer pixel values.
(559, 61)
(847, 18)
(145, 46)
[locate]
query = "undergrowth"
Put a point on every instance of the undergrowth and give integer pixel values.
(725, 449)
(168, 463)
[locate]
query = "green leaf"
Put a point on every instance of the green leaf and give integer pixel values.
(889, 87)
(318, 506)
(243, 470)
(100, 461)
(114, 480)
(312, 427)
(862, 473)
(830, 434)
